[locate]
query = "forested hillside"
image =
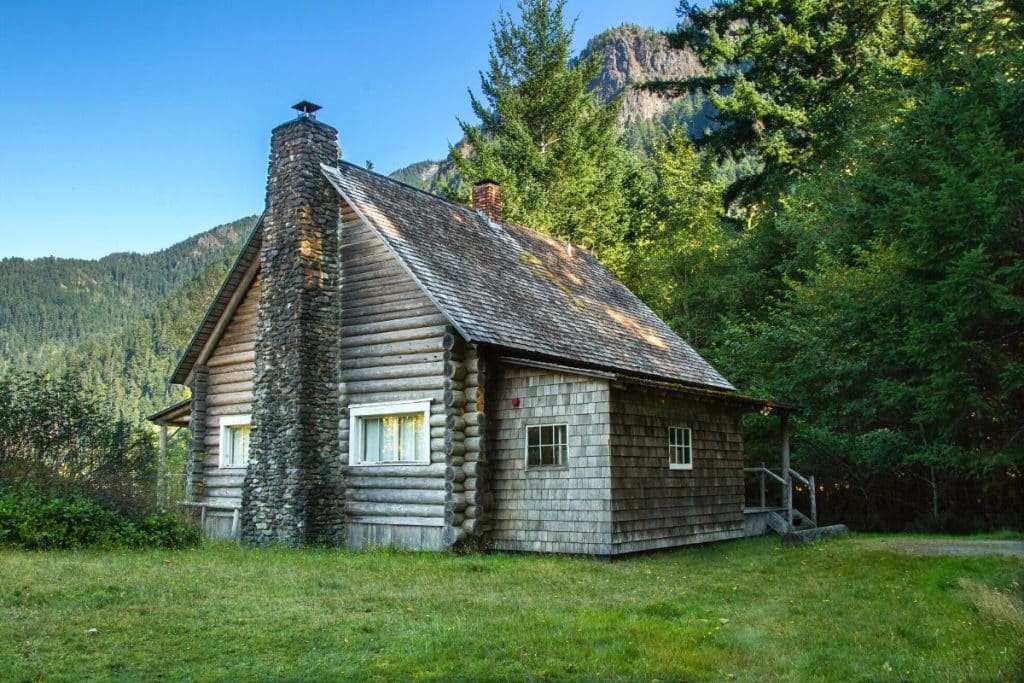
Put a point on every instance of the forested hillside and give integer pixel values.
(120, 321)
(50, 305)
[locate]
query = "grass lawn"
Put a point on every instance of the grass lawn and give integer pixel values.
(748, 610)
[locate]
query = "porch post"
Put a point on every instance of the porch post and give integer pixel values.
(763, 496)
(787, 488)
(161, 469)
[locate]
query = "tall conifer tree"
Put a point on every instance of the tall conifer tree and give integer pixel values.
(542, 135)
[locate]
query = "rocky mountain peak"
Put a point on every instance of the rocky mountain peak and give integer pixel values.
(630, 55)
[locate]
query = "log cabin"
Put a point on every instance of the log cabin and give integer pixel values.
(385, 367)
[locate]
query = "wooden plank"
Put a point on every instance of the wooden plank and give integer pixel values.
(361, 362)
(398, 309)
(388, 349)
(411, 334)
(424, 470)
(403, 384)
(411, 370)
(228, 349)
(356, 508)
(239, 397)
(220, 386)
(432, 319)
(228, 375)
(243, 358)
(401, 521)
(396, 482)
(228, 409)
(397, 496)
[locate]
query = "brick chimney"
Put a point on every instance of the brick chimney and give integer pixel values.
(487, 198)
(293, 488)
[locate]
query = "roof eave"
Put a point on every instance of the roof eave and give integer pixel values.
(183, 370)
(167, 415)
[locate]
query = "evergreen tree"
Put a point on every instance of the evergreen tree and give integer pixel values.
(902, 328)
(679, 243)
(783, 75)
(542, 136)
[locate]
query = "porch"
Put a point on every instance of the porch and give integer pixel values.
(774, 509)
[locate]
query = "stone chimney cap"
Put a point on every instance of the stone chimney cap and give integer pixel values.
(307, 109)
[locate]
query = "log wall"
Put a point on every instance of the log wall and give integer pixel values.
(561, 510)
(395, 346)
(655, 507)
(229, 391)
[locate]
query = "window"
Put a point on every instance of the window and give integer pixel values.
(546, 445)
(389, 433)
(680, 448)
(234, 440)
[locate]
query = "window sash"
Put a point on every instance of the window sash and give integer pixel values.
(392, 438)
(235, 436)
(547, 445)
(680, 448)
(389, 433)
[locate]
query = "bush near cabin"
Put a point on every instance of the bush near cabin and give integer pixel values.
(73, 474)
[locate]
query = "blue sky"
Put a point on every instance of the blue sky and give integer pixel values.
(130, 126)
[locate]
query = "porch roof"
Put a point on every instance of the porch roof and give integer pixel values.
(174, 415)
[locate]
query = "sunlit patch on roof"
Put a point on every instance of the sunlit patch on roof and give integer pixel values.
(639, 331)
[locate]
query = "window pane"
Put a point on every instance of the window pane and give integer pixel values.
(242, 457)
(371, 439)
(393, 438)
(546, 445)
(389, 438)
(409, 443)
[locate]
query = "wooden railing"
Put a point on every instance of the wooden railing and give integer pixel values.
(785, 482)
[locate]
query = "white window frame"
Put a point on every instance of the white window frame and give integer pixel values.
(526, 446)
(686, 448)
(355, 434)
(226, 422)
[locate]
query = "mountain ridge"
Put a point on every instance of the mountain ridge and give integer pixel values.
(629, 55)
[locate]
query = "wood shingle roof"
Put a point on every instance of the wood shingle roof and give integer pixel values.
(499, 284)
(517, 289)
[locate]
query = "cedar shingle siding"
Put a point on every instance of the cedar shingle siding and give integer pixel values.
(562, 510)
(616, 493)
(655, 507)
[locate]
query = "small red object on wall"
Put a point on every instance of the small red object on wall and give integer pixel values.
(515, 403)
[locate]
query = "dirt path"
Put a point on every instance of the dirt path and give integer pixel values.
(953, 547)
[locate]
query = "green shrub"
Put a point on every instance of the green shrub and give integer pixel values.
(36, 521)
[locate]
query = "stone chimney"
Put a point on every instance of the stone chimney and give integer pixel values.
(487, 198)
(294, 491)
